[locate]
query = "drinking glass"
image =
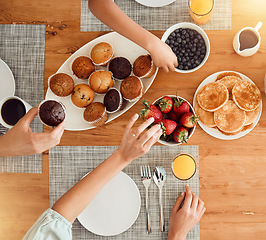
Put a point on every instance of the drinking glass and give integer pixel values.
(201, 10)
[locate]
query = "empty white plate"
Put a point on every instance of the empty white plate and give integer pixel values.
(114, 209)
(7, 81)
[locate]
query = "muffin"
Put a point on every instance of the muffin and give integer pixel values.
(52, 112)
(96, 114)
(113, 100)
(131, 88)
(100, 81)
(102, 53)
(61, 84)
(82, 95)
(143, 66)
(120, 67)
(83, 67)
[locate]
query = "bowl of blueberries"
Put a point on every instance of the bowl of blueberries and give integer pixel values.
(190, 44)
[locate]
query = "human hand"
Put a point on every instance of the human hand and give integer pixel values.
(162, 55)
(182, 220)
(20, 140)
(134, 145)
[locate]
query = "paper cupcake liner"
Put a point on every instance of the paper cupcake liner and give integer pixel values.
(121, 101)
(107, 61)
(55, 101)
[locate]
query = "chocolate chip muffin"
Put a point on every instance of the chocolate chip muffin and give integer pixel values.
(61, 84)
(82, 95)
(52, 112)
(83, 67)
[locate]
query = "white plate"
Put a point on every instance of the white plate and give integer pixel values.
(114, 209)
(212, 131)
(122, 47)
(7, 81)
(154, 3)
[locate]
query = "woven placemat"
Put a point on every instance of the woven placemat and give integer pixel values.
(67, 165)
(22, 48)
(159, 18)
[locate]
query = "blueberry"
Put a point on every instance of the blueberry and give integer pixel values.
(167, 41)
(190, 45)
(203, 52)
(201, 41)
(175, 44)
(180, 67)
(187, 39)
(184, 60)
(183, 37)
(178, 35)
(181, 54)
(197, 62)
(186, 54)
(194, 45)
(195, 57)
(196, 40)
(192, 61)
(194, 65)
(184, 42)
(171, 46)
(177, 30)
(179, 40)
(199, 37)
(172, 34)
(183, 51)
(202, 56)
(191, 54)
(184, 32)
(186, 67)
(198, 53)
(199, 45)
(193, 49)
(172, 42)
(189, 64)
(188, 50)
(187, 35)
(174, 49)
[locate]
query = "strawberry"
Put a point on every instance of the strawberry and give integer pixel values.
(171, 115)
(151, 111)
(165, 104)
(180, 107)
(168, 126)
(181, 135)
(189, 120)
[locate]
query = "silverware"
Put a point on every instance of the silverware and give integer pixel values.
(145, 173)
(159, 177)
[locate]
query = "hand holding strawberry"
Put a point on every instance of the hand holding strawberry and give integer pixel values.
(151, 111)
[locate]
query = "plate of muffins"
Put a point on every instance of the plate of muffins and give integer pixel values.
(228, 104)
(101, 81)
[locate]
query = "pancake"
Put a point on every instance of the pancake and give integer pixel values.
(251, 116)
(225, 74)
(229, 134)
(212, 96)
(207, 118)
(229, 82)
(230, 118)
(246, 95)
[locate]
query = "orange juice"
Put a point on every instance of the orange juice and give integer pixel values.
(184, 166)
(201, 10)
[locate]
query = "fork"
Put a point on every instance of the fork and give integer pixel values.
(145, 173)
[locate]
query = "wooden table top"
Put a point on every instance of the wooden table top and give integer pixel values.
(232, 173)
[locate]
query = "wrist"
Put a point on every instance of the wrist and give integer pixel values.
(151, 42)
(176, 236)
(122, 156)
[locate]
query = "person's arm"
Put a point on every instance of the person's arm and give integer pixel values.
(72, 203)
(112, 16)
(182, 220)
(20, 140)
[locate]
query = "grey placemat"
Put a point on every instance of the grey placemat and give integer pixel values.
(159, 18)
(67, 165)
(22, 48)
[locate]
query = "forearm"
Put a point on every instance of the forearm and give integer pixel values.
(71, 204)
(112, 16)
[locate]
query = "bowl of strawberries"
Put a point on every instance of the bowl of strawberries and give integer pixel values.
(176, 117)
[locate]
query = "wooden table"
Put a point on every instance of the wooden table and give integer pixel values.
(232, 173)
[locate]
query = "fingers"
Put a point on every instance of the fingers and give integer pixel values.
(131, 122)
(153, 140)
(147, 135)
(143, 126)
(172, 68)
(165, 68)
(188, 200)
(178, 202)
(29, 116)
(195, 201)
(202, 212)
(59, 130)
(200, 205)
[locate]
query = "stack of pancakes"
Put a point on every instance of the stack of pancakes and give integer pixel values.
(229, 104)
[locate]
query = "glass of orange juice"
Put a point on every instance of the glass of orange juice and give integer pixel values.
(201, 10)
(184, 166)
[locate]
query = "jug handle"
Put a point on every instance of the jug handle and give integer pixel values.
(258, 26)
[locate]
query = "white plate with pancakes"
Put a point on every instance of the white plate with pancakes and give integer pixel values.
(122, 47)
(234, 121)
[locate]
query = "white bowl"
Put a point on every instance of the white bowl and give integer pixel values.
(173, 143)
(199, 30)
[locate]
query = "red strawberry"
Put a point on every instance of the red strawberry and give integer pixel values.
(166, 104)
(151, 111)
(171, 115)
(168, 126)
(180, 107)
(181, 135)
(189, 120)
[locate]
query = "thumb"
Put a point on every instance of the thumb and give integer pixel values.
(178, 202)
(28, 118)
